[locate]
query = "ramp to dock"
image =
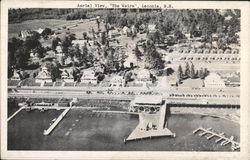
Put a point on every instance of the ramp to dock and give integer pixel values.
(162, 117)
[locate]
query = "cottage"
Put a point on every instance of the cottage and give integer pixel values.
(143, 76)
(40, 30)
(151, 28)
(25, 33)
(113, 34)
(43, 76)
(213, 80)
(16, 75)
(59, 49)
(125, 30)
(89, 77)
(117, 81)
(80, 42)
(67, 76)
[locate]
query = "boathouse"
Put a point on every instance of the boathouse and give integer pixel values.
(149, 104)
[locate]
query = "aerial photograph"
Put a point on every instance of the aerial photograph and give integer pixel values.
(92, 79)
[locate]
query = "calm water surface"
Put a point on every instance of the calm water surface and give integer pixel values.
(82, 130)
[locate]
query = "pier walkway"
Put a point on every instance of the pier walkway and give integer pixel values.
(221, 138)
(50, 129)
(13, 115)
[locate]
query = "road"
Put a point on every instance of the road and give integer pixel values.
(227, 96)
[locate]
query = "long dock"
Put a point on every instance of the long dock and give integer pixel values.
(221, 138)
(50, 129)
(162, 117)
(13, 115)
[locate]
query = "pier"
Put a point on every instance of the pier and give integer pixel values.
(221, 138)
(13, 115)
(61, 116)
(151, 125)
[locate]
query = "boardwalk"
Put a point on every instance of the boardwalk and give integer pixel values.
(221, 138)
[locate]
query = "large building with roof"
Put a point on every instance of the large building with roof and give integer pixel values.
(146, 104)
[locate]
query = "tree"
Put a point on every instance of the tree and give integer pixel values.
(180, 73)
(103, 38)
(40, 51)
(137, 53)
(201, 74)
(55, 43)
(84, 35)
(192, 72)
(46, 32)
(187, 70)
(53, 68)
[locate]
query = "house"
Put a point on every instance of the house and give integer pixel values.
(25, 33)
(43, 76)
(16, 75)
(213, 80)
(80, 42)
(40, 30)
(151, 28)
(117, 81)
(113, 34)
(67, 76)
(125, 30)
(89, 77)
(59, 49)
(143, 76)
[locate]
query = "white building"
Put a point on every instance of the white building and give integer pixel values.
(43, 76)
(40, 30)
(67, 76)
(213, 80)
(151, 28)
(117, 81)
(25, 33)
(89, 77)
(143, 76)
(16, 75)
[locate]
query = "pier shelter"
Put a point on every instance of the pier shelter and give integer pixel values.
(148, 104)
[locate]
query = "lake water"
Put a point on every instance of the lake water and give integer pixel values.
(86, 131)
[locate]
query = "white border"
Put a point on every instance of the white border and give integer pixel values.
(243, 154)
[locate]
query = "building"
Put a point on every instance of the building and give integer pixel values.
(67, 76)
(213, 80)
(25, 33)
(117, 81)
(80, 42)
(113, 34)
(43, 76)
(143, 76)
(125, 30)
(59, 49)
(151, 28)
(146, 104)
(89, 77)
(16, 75)
(40, 30)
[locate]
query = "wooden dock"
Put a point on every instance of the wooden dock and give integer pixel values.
(61, 116)
(220, 137)
(13, 115)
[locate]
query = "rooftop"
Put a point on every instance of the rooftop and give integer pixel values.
(148, 100)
